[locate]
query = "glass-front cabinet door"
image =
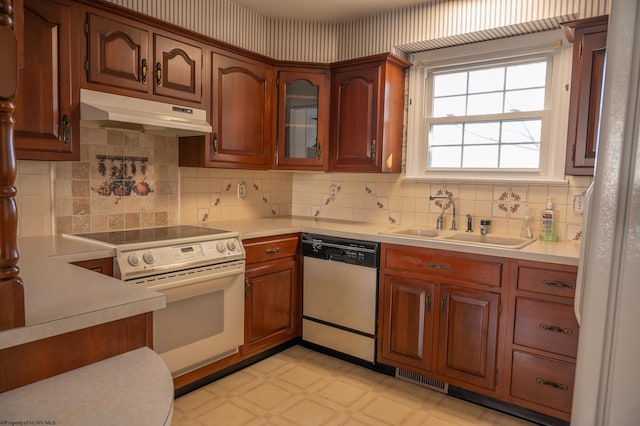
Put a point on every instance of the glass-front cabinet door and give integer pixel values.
(303, 114)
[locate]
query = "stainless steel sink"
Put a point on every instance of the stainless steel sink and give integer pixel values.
(462, 238)
(414, 232)
(491, 240)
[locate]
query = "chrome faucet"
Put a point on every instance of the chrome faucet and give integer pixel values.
(454, 227)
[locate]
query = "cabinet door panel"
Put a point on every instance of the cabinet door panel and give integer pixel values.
(177, 69)
(593, 48)
(406, 326)
(303, 120)
(46, 121)
(271, 304)
(355, 115)
(118, 54)
(468, 335)
(241, 112)
(589, 37)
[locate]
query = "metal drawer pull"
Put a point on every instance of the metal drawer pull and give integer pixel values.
(272, 250)
(66, 129)
(441, 266)
(559, 284)
(556, 329)
(551, 384)
(144, 71)
(158, 74)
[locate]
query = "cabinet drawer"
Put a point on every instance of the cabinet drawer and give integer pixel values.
(429, 264)
(547, 326)
(542, 381)
(548, 281)
(262, 249)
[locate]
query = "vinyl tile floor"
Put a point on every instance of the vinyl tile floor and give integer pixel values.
(302, 387)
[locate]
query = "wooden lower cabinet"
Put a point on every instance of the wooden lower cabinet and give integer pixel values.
(432, 324)
(40, 359)
(272, 296)
(467, 339)
(407, 322)
(102, 266)
(542, 336)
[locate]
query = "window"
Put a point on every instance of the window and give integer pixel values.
(488, 114)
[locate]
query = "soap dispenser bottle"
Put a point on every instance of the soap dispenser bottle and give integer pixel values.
(548, 225)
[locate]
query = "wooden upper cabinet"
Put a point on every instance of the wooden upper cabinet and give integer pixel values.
(303, 119)
(118, 54)
(47, 120)
(129, 59)
(177, 69)
(367, 110)
(241, 112)
(589, 37)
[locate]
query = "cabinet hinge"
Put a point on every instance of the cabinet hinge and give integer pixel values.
(86, 65)
(277, 81)
(496, 378)
(86, 27)
(580, 50)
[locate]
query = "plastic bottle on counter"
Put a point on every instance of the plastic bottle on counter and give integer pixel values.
(548, 225)
(526, 231)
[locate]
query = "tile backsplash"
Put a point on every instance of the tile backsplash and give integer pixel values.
(212, 194)
(111, 188)
(387, 199)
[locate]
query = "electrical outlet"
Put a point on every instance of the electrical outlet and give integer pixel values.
(578, 203)
(242, 190)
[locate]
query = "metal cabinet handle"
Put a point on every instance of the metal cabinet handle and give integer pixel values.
(158, 74)
(373, 148)
(441, 266)
(215, 143)
(551, 384)
(556, 329)
(429, 302)
(144, 71)
(66, 129)
(559, 284)
(272, 250)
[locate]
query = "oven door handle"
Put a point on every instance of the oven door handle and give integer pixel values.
(173, 281)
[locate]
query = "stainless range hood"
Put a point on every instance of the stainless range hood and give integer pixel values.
(98, 109)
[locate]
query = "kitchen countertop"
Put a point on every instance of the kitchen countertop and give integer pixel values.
(60, 297)
(132, 388)
(562, 252)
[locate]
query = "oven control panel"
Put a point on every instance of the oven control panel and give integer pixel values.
(151, 260)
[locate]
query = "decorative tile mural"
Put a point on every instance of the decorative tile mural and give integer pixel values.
(121, 177)
(124, 180)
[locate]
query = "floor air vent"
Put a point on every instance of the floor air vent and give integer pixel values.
(420, 380)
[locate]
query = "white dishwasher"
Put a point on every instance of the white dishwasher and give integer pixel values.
(340, 293)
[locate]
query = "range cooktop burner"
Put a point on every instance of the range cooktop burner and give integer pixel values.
(147, 235)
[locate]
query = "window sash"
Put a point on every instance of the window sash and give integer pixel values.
(429, 120)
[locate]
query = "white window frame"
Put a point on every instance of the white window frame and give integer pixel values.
(554, 128)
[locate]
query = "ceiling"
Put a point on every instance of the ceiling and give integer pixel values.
(323, 10)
